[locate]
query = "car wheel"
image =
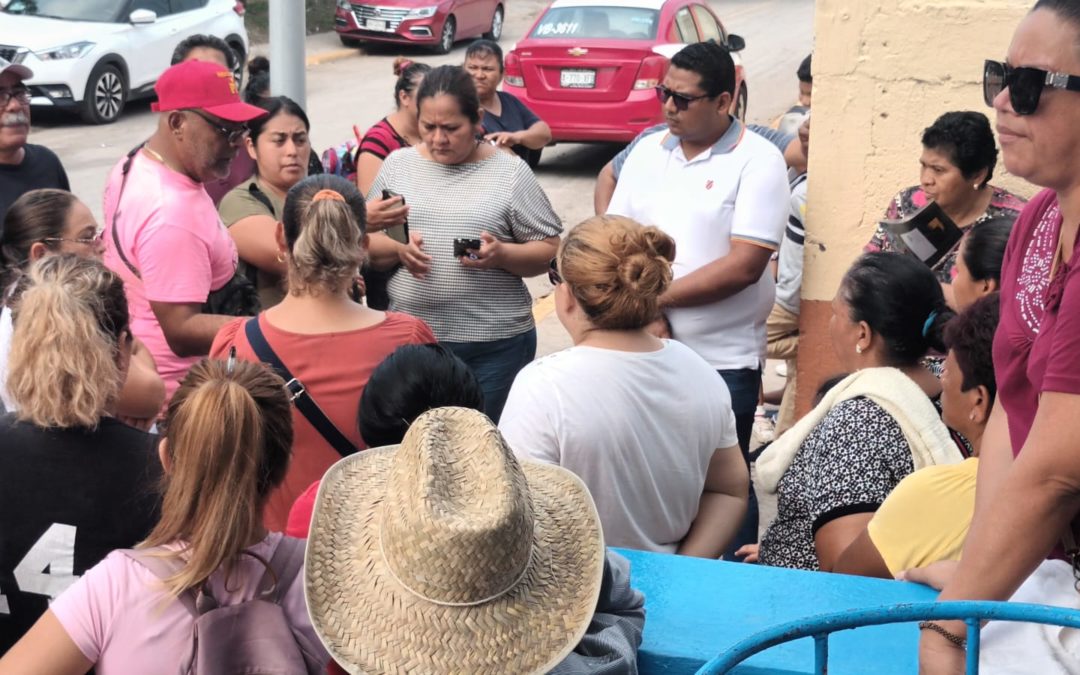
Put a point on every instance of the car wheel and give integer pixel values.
(448, 36)
(350, 42)
(496, 25)
(106, 93)
(740, 104)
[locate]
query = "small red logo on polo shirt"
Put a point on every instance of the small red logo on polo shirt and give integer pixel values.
(708, 185)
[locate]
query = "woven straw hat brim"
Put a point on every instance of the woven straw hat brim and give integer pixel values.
(371, 624)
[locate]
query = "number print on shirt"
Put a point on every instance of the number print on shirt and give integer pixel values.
(48, 568)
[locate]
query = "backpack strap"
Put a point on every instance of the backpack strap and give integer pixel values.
(124, 171)
(162, 568)
(297, 393)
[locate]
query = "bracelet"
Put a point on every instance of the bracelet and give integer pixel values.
(958, 641)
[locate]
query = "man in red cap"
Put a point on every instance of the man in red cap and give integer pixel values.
(164, 237)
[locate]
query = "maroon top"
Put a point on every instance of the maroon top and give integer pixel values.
(1037, 345)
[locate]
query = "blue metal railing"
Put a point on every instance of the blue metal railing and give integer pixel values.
(819, 627)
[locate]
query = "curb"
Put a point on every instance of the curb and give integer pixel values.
(330, 56)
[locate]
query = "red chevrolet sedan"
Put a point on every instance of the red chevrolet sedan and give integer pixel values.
(589, 68)
(434, 23)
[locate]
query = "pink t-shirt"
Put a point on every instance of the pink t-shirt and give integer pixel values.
(115, 615)
(170, 231)
(1037, 344)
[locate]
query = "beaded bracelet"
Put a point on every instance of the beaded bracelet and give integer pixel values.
(958, 641)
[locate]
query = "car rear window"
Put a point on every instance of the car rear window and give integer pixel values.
(621, 23)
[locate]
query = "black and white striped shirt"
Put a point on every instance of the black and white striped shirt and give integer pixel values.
(498, 195)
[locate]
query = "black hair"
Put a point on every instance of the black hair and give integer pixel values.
(274, 106)
(408, 72)
(901, 300)
(968, 140)
(484, 48)
(804, 74)
(34, 217)
(970, 336)
(408, 383)
(453, 81)
(984, 248)
(712, 62)
(258, 80)
(200, 40)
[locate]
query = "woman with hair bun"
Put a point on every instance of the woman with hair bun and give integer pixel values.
(328, 341)
(664, 468)
(397, 130)
(75, 482)
(227, 443)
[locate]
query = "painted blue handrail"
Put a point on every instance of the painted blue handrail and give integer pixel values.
(819, 627)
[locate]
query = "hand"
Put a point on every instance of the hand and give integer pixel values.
(749, 553)
(503, 139)
(488, 257)
(412, 256)
(938, 656)
(660, 328)
(384, 213)
(935, 575)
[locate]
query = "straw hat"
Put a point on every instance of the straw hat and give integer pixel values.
(445, 555)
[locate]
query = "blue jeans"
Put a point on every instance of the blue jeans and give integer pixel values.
(745, 388)
(496, 364)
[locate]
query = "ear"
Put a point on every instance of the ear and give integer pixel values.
(989, 286)
(981, 405)
(250, 145)
(865, 336)
(38, 251)
(279, 236)
(176, 121)
(163, 455)
(123, 354)
(723, 103)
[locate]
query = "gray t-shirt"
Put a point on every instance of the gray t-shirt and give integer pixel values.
(498, 195)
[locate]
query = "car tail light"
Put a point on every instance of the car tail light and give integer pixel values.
(239, 8)
(513, 75)
(650, 72)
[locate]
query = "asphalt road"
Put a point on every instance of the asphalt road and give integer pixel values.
(358, 90)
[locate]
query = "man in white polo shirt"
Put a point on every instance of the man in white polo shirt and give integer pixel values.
(722, 193)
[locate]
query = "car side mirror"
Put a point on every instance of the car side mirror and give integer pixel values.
(735, 43)
(141, 17)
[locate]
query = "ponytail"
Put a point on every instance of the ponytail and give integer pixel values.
(229, 438)
(64, 369)
(323, 221)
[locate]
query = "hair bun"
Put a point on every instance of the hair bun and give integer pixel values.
(258, 65)
(401, 64)
(658, 243)
(644, 274)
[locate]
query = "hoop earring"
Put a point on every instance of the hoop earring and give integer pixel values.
(281, 256)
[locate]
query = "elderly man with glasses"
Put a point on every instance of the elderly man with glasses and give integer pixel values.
(162, 234)
(23, 166)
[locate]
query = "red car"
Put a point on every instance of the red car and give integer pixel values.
(589, 68)
(434, 23)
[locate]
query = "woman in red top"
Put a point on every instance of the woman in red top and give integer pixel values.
(1029, 471)
(395, 131)
(325, 339)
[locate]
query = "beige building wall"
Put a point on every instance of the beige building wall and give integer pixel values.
(883, 71)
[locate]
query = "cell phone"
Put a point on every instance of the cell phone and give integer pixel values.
(399, 233)
(462, 246)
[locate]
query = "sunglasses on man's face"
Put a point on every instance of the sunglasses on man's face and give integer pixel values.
(1025, 85)
(681, 101)
(232, 134)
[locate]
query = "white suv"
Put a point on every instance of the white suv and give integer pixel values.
(95, 55)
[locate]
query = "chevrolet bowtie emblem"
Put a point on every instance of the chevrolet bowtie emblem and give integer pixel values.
(577, 51)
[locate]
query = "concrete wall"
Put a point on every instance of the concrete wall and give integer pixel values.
(883, 71)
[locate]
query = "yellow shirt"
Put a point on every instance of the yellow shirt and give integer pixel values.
(926, 517)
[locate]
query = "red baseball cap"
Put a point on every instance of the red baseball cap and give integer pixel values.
(204, 85)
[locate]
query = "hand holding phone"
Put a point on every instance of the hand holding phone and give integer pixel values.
(399, 233)
(463, 245)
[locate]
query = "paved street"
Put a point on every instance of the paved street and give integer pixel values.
(358, 90)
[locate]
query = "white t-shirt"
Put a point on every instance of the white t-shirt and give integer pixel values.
(638, 428)
(737, 191)
(7, 329)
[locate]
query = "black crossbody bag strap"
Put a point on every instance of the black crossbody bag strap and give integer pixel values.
(124, 171)
(299, 396)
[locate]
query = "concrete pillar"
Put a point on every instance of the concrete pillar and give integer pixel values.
(883, 71)
(287, 61)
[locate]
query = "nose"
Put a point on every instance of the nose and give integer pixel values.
(669, 106)
(1002, 104)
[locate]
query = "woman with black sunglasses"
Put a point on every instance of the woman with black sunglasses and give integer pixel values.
(1029, 472)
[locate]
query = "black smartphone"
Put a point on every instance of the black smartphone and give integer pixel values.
(399, 233)
(462, 246)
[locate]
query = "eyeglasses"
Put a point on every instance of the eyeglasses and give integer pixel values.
(232, 134)
(20, 94)
(682, 101)
(553, 272)
(85, 241)
(1025, 85)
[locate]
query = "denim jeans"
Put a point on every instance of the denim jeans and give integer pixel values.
(496, 364)
(745, 388)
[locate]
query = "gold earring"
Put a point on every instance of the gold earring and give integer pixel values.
(281, 256)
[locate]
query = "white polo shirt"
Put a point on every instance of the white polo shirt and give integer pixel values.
(737, 191)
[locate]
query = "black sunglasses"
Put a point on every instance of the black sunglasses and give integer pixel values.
(553, 272)
(232, 134)
(1025, 85)
(682, 101)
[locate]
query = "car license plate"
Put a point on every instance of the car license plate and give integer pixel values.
(375, 24)
(578, 79)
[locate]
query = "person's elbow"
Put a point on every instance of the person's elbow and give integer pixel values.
(539, 135)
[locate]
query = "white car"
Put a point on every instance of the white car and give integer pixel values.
(95, 55)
